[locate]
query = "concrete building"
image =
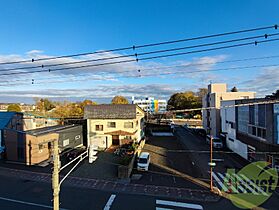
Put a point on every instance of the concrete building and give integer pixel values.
(252, 131)
(216, 94)
(34, 146)
(151, 105)
(31, 122)
(113, 124)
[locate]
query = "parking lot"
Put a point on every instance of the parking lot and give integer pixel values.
(164, 151)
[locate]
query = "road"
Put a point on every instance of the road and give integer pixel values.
(25, 194)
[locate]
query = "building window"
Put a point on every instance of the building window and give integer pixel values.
(99, 128)
(137, 123)
(231, 139)
(111, 125)
(128, 124)
(128, 137)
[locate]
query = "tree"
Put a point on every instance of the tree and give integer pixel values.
(234, 89)
(119, 100)
(274, 95)
(186, 100)
(44, 104)
(14, 108)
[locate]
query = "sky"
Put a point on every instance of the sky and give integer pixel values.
(42, 29)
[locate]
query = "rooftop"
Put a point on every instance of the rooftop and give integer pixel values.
(50, 129)
(110, 111)
(5, 118)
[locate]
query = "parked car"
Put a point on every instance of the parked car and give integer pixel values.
(216, 142)
(143, 161)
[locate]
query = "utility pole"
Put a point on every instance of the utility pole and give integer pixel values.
(211, 166)
(55, 175)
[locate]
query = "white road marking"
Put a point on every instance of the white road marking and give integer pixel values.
(160, 208)
(179, 204)
(110, 201)
(232, 187)
(241, 181)
(28, 203)
(219, 182)
(254, 185)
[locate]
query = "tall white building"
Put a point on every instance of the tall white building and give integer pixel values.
(216, 93)
(151, 105)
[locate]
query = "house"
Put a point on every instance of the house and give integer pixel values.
(11, 120)
(252, 131)
(211, 103)
(113, 124)
(34, 146)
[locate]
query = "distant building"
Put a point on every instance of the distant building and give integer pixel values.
(34, 146)
(216, 94)
(252, 131)
(33, 122)
(113, 124)
(151, 105)
(24, 107)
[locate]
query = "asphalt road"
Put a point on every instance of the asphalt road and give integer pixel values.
(23, 194)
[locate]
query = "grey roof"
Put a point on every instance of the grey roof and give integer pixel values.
(50, 129)
(5, 118)
(110, 111)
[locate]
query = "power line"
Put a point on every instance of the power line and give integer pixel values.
(146, 58)
(145, 45)
(153, 68)
(139, 54)
(140, 75)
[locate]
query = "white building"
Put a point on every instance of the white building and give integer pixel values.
(216, 94)
(151, 105)
(228, 127)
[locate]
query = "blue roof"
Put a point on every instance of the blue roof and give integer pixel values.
(5, 118)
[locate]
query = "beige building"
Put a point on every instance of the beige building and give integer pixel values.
(113, 124)
(216, 93)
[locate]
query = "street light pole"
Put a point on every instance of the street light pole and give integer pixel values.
(55, 175)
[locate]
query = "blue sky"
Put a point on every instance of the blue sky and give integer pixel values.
(33, 29)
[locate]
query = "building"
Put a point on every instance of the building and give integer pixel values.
(113, 124)
(11, 120)
(31, 122)
(252, 131)
(216, 94)
(24, 107)
(151, 105)
(34, 146)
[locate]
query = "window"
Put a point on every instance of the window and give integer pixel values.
(231, 139)
(128, 137)
(99, 128)
(111, 125)
(128, 124)
(137, 123)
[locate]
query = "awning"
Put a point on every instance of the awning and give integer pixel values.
(120, 133)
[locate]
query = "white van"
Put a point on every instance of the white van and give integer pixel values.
(216, 142)
(143, 161)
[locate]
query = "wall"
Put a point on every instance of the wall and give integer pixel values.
(38, 149)
(102, 140)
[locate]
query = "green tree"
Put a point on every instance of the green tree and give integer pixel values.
(274, 95)
(119, 100)
(234, 89)
(186, 100)
(14, 108)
